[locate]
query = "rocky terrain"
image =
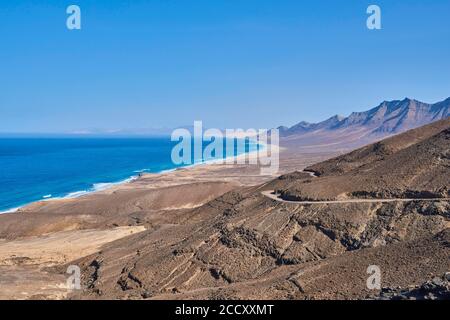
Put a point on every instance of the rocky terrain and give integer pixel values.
(213, 233)
(415, 164)
(255, 248)
(437, 288)
(246, 245)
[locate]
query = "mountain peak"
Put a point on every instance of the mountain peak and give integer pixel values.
(331, 121)
(387, 118)
(338, 117)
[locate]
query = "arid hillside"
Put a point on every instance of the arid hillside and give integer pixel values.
(220, 232)
(245, 244)
(415, 164)
(378, 151)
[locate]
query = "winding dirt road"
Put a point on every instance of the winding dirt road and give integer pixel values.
(270, 194)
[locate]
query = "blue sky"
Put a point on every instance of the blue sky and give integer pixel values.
(230, 63)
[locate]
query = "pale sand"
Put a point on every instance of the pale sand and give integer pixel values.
(224, 170)
(58, 231)
(234, 170)
(59, 247)
(23, 262)
(29, 282)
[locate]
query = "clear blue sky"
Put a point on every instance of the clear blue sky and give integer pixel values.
(230, 63)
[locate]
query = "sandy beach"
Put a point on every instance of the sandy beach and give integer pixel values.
(214, 230)
(37, 235)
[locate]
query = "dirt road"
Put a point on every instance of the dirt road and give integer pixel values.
(270, 194)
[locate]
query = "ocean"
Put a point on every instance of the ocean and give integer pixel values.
(34, 169)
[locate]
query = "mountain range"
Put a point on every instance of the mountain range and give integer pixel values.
(218, 232)
(343, 134)
(390, 117)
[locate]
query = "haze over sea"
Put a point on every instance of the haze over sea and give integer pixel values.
(34, 169)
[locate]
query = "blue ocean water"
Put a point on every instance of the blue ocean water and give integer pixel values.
(33, 169)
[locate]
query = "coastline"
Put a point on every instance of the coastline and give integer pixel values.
(161, 223)
(74, 195)
(109, 186)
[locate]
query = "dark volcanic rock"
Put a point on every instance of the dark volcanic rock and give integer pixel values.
(435, 289)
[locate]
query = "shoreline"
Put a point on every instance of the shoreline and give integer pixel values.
(74, 194)
(142, 173)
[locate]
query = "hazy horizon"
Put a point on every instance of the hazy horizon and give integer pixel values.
(151, 132)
